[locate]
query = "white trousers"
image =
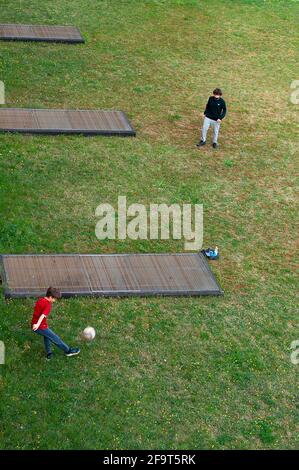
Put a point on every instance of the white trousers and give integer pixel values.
(206, 124)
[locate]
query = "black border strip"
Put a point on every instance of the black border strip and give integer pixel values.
(118, 294)
(204, 459)
(4, 278)
(31, 39)
(70, 132)
(212, 275)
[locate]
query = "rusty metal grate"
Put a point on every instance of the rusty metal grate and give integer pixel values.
(108, 275)
(26, 32)
(65, 121)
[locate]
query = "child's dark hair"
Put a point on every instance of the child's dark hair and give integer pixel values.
(217, 91)
(53, 292)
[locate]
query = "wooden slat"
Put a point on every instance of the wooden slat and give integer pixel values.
(130, 274)
(48, 33)
(31, 273)
(52, 119)
(65, 121)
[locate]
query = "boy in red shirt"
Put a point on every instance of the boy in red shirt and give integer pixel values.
(40, 326)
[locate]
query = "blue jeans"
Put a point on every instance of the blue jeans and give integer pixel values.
(51, 337)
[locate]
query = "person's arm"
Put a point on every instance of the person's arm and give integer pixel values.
(223, 111)
(207, 106)
(37, 325)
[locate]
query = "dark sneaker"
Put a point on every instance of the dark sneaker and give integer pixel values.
(215, 145)
(200, 144)
(73, 352)
(49, 356)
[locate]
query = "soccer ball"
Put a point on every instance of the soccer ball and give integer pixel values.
(89, 333)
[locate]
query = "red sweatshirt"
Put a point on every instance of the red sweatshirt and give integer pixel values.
(42, 307)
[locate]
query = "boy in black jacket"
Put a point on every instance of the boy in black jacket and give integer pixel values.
(214, 113)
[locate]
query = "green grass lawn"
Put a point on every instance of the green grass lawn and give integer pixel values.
(201, 373)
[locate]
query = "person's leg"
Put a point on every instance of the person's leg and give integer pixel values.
(47, 345)
(216, 127)
(205, 128)
(55, 339)
(47, 342)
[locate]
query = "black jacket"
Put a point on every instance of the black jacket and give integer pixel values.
(215, 108)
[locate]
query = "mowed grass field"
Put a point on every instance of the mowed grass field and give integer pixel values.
(201, 373)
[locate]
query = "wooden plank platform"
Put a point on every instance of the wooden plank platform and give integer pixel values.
(47, 33)
(108, 275)
(65, 121)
